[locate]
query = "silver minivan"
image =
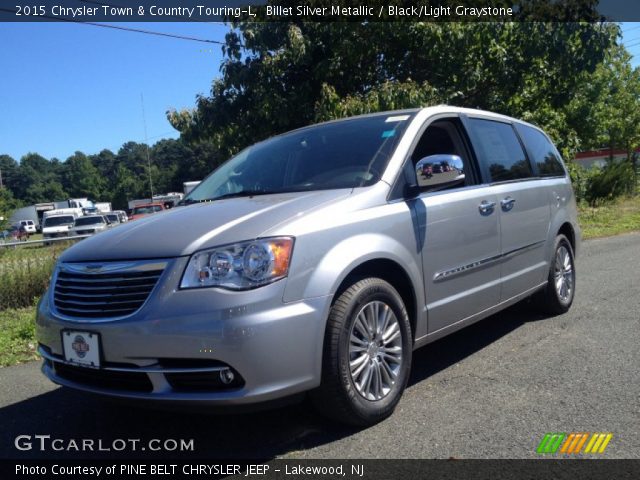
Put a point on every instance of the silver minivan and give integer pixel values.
(317, 261)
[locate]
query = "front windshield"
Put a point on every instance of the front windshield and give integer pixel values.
(344, 154)
(113, 218)
(83, 221)
(58, 221)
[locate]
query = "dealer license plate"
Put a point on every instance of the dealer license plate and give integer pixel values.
(81, 348)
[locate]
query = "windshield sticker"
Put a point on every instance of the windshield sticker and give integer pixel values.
(397, 118)
(388, 133)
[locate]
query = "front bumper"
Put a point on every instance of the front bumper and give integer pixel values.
(275, 348)
(55, 234)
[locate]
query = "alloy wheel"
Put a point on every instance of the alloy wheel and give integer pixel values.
(375, 350)
(563, 274)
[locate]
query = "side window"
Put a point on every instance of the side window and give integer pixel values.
(440, 157)
(541, 151)
(499, 151)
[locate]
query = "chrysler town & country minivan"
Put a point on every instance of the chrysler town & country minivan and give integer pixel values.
(317, 261)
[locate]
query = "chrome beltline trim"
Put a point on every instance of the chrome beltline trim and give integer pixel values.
(447, 274)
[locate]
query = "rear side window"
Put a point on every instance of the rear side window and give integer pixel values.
(499, 150)
(541, 151)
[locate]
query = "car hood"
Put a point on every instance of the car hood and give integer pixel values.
(184, 230)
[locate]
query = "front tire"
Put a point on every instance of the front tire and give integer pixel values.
(367, 354)
(556, 298)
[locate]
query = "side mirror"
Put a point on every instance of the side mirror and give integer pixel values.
(440, 171)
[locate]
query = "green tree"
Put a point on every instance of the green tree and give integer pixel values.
(82, 178)
(291, 74)
(37, 179)
(106, 163)
(9, 171)
(7, 205)
(124, 188)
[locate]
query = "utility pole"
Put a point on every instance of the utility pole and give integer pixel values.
(146, 142)
(1, 185)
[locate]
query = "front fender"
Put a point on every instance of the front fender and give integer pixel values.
(346, 256)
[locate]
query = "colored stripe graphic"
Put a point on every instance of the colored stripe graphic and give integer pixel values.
(598, 442)
(573, 443)
(551, 442)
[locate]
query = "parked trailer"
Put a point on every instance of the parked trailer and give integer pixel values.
(188, 186)
(140, 201)
(26, 213)
(168, 200)
(103, 207)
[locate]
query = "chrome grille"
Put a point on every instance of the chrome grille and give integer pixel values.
(104, 291)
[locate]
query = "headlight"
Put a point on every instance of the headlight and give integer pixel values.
(240, 266)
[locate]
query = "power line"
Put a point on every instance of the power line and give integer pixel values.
(127, 29)
(151, 32)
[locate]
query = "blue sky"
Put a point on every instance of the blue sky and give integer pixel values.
(67, 87)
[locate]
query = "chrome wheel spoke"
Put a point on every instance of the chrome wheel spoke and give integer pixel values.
(387, 371)
(392, 358)
(358, 364)
(394, 353)
(365, 384)
(361, 327)
(358, 344)
(391, 333)
(371, 317)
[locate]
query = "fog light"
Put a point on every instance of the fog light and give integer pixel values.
(226, 376)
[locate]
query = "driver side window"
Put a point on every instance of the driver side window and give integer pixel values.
(440, 158)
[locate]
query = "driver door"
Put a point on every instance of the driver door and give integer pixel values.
(461, 242)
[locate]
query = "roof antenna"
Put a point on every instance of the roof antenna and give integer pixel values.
(146, 142)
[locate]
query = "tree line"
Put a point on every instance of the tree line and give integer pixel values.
(573, 79)
(107, 176)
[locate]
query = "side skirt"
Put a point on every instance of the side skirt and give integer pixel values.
(465, 322)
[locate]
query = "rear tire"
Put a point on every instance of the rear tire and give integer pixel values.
(557, 296)
(366, 356)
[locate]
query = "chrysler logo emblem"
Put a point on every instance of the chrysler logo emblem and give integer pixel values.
(93, 268)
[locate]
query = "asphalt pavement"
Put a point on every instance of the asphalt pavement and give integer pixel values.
(492, 390)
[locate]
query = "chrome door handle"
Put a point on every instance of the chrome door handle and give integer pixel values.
(486, 208)
(507, 203)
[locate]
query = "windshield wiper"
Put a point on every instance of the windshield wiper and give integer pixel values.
(241, 193)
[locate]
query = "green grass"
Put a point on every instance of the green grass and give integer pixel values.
(620, 216)
(17, 336)
(25, 273)
(24, 276)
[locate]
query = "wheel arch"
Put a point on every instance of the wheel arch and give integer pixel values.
(391, 272)
(567, 230)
